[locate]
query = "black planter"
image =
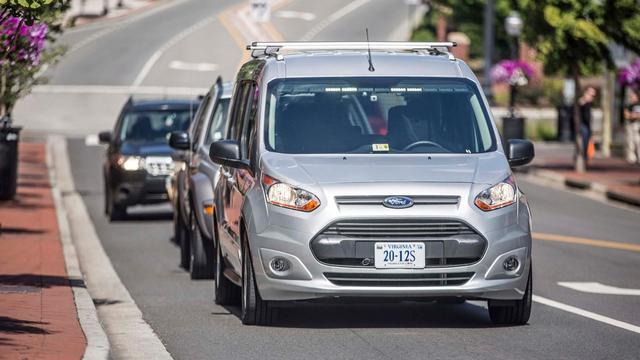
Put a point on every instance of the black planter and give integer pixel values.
(512, 128)
(9, 138)
(565, 128)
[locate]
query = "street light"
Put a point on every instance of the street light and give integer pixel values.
(513, 126)
(513, 25)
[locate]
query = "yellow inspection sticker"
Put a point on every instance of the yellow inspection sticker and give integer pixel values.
(380, 147)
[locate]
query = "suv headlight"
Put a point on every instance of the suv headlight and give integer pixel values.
(131, 163)
(498, 196)
(287, 196)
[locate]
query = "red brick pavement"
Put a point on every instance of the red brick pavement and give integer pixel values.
(38, 318)
(618, 179)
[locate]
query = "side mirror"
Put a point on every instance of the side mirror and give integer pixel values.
(179, 140)
(227, 153)
(104, 137)
(520, 152)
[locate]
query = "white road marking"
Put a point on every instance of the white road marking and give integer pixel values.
(598, 288)
(289, 14)
(587, 314)
(118, 90)
(166, 46)
(182, 65)
(332, 18)
(91, 140)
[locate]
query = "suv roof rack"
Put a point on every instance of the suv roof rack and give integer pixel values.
(272, 48)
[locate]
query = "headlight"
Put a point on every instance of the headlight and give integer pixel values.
(131, 163)
(287, 196)
(498, 196)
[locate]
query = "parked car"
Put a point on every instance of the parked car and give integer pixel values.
(138, 157)
(195, 180)
(315, 201)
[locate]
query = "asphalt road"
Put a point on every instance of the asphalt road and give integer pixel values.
(182, 312)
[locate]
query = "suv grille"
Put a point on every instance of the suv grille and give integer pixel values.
(399, 280)
(157, 166)
(351, 242)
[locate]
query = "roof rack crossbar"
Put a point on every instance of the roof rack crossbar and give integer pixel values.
(272, 48)
(350, 45)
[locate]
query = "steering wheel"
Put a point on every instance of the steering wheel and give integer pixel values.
(423, 142)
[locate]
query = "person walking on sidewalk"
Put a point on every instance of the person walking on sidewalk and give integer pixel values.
(586, 102)
(632, 127)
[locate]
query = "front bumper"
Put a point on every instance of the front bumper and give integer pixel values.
(309, 278)
(139, 187)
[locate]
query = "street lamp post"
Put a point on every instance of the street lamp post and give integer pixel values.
(513, 26)
(513, 125)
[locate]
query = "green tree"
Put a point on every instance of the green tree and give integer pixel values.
(467, 16)
(25, 27)
(572, 38)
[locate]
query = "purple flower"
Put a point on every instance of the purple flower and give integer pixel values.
(21, 44)
(630, 75)
(514, 72)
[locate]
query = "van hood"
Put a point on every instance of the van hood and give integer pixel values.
(139, 148)
(486, 168)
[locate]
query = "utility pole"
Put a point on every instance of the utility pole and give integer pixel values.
(487, 41)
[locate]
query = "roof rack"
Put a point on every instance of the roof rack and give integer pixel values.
(272, 48)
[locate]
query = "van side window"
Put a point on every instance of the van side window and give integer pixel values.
(198, 122)
(237, 112)
(249, 121)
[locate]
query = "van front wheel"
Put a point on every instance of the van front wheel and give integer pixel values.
(255, 311)
(513, 314)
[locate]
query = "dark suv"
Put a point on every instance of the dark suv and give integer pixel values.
(138, 157)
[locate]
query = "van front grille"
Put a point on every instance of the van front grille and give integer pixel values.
(398, 228)
(398, 280)
(351, 242)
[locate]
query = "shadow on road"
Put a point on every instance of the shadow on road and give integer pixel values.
(9, 325)
(13, 283)
(147, 216)
(307, 315)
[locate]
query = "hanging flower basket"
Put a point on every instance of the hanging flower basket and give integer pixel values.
(512, 72)
(630, 75)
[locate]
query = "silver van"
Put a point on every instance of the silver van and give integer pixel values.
(354, 169)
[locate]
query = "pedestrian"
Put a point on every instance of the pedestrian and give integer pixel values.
(586, 102)
(632, 127)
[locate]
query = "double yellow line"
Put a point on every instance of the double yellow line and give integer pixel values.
(608, 244)
(237, 36)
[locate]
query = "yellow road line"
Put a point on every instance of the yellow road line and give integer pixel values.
(586, 241)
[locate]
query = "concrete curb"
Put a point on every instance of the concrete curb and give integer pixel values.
(97, 341)
(128, 333)
(595, 188)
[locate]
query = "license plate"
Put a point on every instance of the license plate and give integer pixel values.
(399, 255)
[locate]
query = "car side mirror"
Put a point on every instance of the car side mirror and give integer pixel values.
(520, 152)
(179, 140)
(227, 153)
(104, 137)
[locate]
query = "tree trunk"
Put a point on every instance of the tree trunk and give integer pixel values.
(580, 161)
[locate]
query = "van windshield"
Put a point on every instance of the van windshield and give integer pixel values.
(376, 115)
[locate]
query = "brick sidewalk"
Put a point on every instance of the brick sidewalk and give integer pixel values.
(613, 177)
(38, 318)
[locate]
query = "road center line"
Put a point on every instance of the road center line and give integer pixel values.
(609, 244)
(587, 314)
(166, 46)
(332, 18)
(598, 288)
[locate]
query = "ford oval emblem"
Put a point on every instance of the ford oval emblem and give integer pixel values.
(398, 202)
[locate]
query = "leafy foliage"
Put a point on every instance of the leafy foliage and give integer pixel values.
(25, 27)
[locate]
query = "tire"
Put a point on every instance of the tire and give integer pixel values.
(516, 314)
(255, 311)
(226, 292)
(201, 263)
(176, 219)
(115, 212)
(185, 244)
